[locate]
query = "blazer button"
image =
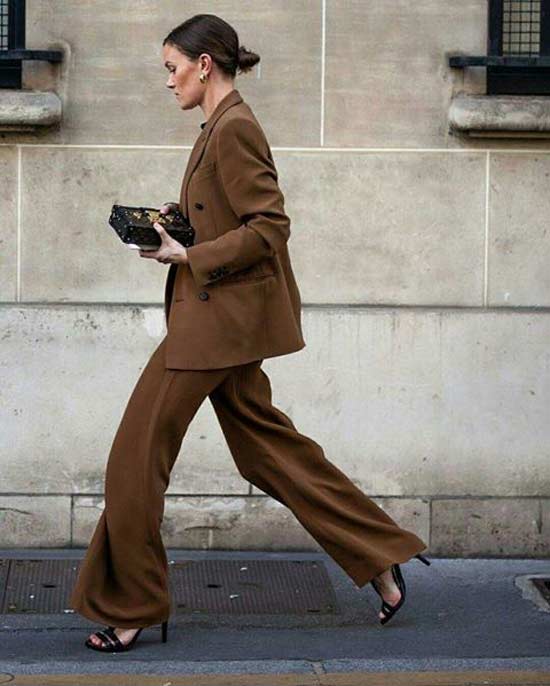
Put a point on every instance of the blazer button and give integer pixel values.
(199, 206)
(203, 295)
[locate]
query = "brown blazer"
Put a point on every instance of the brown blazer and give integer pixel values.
(237, 299)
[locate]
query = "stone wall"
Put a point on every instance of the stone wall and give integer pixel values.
(422, 258)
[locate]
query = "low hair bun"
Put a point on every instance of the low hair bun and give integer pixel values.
(213, 35)
(246, 59)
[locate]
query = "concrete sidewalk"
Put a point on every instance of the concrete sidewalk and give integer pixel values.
(464, 621)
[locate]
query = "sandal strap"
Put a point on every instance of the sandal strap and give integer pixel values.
(111, 633)
(386, 607)
(114, 639)
(398, 578)
(105, 637)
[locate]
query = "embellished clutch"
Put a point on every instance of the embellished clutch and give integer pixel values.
(135, 225)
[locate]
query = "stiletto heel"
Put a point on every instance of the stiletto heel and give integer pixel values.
(423, 559)
(165, 631)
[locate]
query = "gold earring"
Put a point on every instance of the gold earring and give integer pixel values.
(203, 77)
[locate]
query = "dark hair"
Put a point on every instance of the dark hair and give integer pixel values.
(211, 34)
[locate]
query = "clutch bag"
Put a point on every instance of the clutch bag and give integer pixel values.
(135, 225)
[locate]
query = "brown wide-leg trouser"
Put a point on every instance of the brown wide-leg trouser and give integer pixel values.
(123, 579)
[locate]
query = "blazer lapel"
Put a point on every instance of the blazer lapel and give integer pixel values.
(232, 98)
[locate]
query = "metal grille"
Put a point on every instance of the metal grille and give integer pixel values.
(521, 27)
(38, 586)
(518, 48)
(12, 44)
(252, 587)
(43, 586)
(4, 24)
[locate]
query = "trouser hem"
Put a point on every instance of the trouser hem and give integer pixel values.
(116, 622)
(363, 572)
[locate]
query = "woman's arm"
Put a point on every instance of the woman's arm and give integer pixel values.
(249, 180)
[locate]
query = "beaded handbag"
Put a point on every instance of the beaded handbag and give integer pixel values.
(135, 225)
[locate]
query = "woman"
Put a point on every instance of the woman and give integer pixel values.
(231, 301)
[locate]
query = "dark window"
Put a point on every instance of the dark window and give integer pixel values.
(3, 24)
(519, 28)
(518, 48)
(12, 16)
(12, 44)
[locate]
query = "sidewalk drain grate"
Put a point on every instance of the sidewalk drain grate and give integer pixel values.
(252, 587)
(197, 586)
(542, 584)
(38, 586)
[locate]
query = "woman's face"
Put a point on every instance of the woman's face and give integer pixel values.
(183, 76)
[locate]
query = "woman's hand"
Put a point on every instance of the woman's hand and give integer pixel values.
(169, 207)
(170, 250)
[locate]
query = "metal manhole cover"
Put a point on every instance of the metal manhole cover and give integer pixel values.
(207, 586)
(252, 587)
(38, 586)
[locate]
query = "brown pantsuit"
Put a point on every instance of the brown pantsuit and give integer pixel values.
(123, 579)
(234, 303)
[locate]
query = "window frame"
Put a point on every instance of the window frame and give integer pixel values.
(512, 74)
(12, 58)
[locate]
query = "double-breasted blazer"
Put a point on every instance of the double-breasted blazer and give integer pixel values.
(236, 300)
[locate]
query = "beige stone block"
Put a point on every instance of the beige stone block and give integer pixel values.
(8, 225)
(421, 403)
(35, 521)
(261, 523)
(239, 523)
(412, 514)
(28, 109)
(115, 86)
(544, 515)
(67, 375)
(500, 115)
(69, 250)
(386, 228)
(233, 523)
(86, 512)
(497, 527)
(406, 402)
(519, 245)
(211, 522)
(397, 88)
(414, 237)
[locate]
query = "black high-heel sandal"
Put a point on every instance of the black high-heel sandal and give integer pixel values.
(387, 609)
(113, 644)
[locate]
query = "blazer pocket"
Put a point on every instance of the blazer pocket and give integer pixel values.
(257, 272)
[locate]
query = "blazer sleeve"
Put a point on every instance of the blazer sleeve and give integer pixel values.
(249, 180)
